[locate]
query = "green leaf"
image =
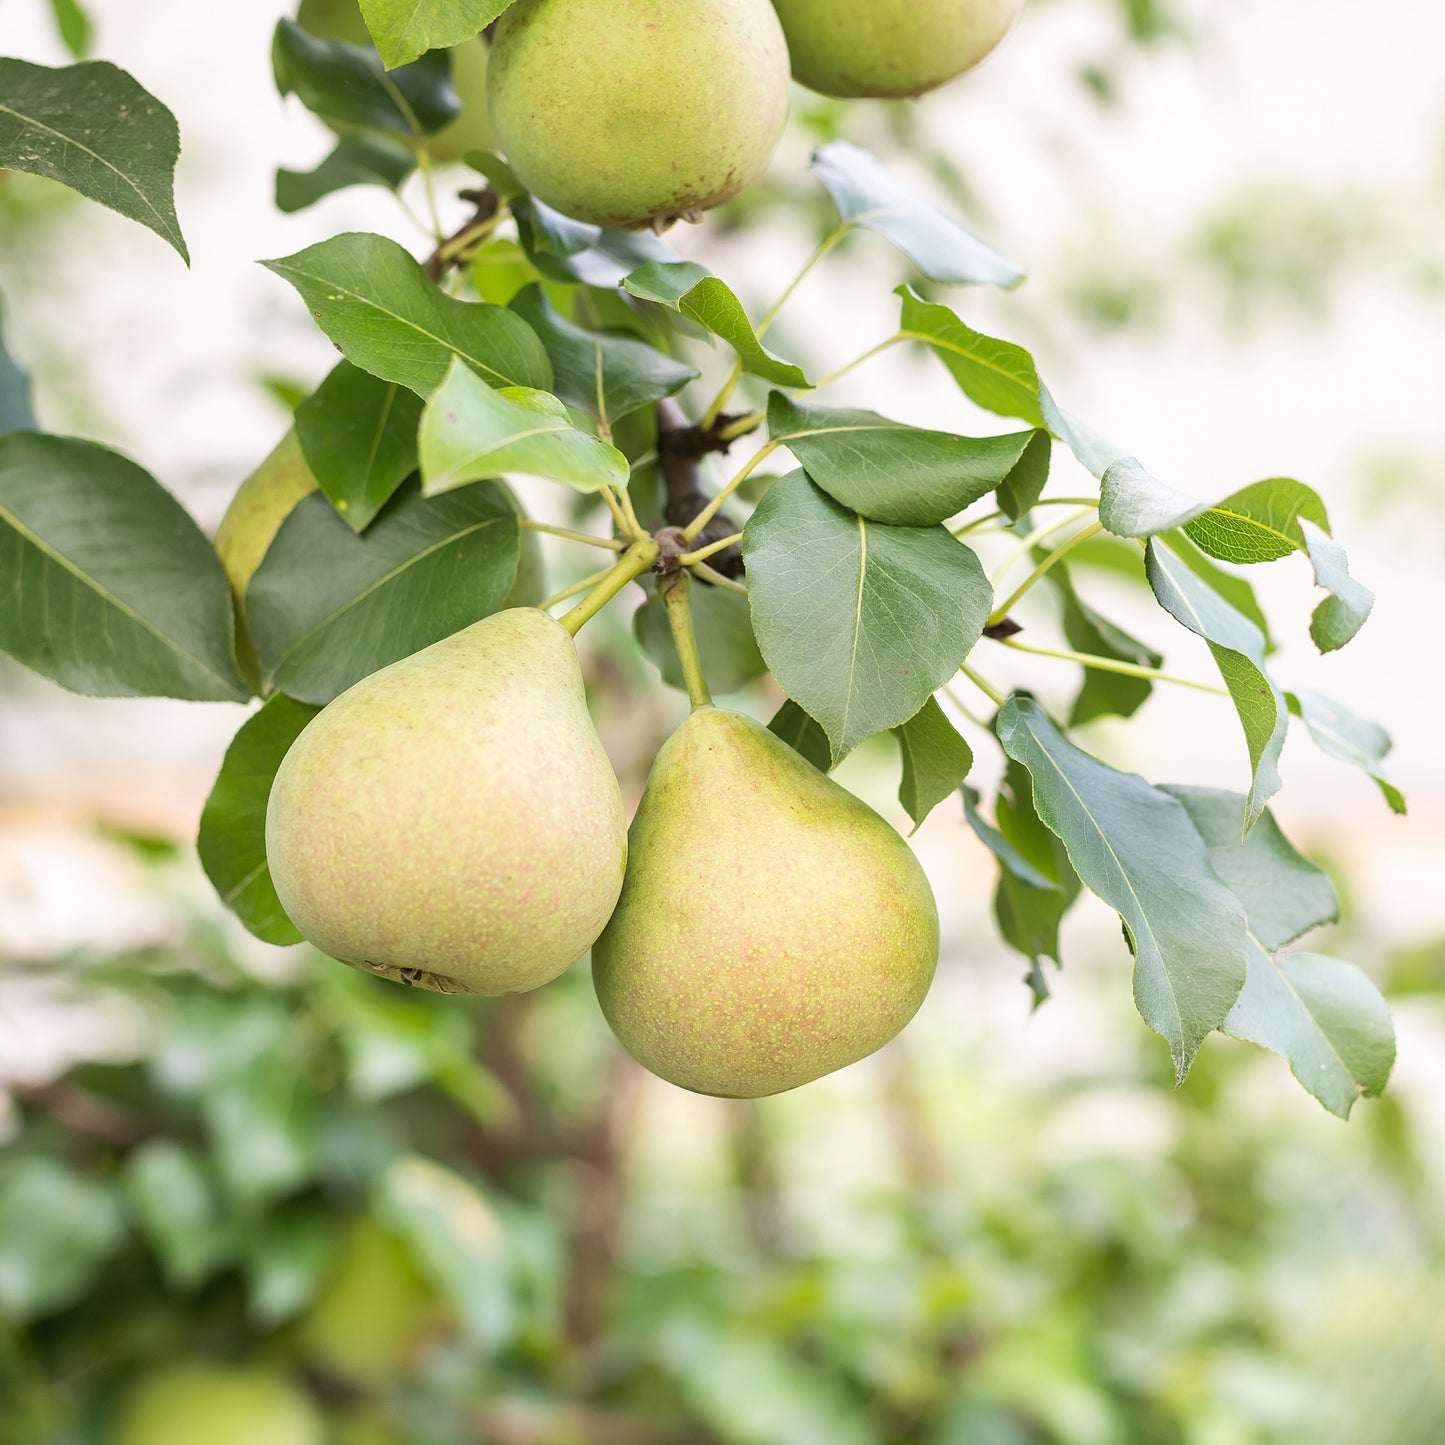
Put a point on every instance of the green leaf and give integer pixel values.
(889, 472)
(803, 734)
(93, 128)
(457, 1241)
(1325, 1018)
(106, 584)
(1260, 523)
(346, 84)
(359, 437)
(1283, 893)
(57, 1229)
(606, 374)
(375, 302)
(1238, 649)
(1037, 884)
(262, 1127)
(327, 607)
(15, 409)
(470, 432)
(1132, 503)
(1341, 615)
(1020, 491)
(860, 623)
(179, 1209)
(936, 760)
(1136, 848)
(1351, 739)
(725, 641)
(286, 1261)
(232, 841)
(1103, 694)
(1233, 588)
(568, 250)
(404, 29)
(358, 160)
(74, 26)
(867, 195)
(686, 287)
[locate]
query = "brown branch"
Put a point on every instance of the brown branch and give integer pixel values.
(448, 254)
(680, 447)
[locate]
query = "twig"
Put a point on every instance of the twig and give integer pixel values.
(452, 251)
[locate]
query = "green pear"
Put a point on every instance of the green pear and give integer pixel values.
(375, 1313)
(192, 1403)
(890, 48)
(772, 928)
(630, 113)
(452, 821)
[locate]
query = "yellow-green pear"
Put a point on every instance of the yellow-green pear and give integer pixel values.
(772, 928)
(192, 1403)
(890, 48)
(375, 1314)
(452, 822)
(630, 113)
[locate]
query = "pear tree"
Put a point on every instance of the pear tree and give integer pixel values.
(417, 785)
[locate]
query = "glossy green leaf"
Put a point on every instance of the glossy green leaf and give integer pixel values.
(232, 841)
(16, 413)
(686, 287)
(57, 1229)
(860, 623)
(361, 159)
(328, 607)
(1341, 615)
(346, 84)
(889, 472)
(568, 250)
(405, 29)
(1025, 483)
(106, 584)
(867, 195)
(179, 1209)
(1103, 694)
(74, 26)
(1351, 739)
(1283, 893)
(1132, 503)
(1260, 523)
(803, 734)
(936, 760)
(725, 641)
(93, 128)
(1137, 849)
(470, 432)
(1238, 649)
(375, 302)
(606, 374)
(359, 437)
(1325, 1018)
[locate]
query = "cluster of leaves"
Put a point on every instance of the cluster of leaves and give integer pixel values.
(196, 1199)
(864, 595)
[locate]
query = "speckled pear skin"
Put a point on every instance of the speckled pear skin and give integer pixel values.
(626, 112)
(772, 928)
(890, 48)
(452, 821)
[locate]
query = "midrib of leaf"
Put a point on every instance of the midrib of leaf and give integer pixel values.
(940, 343)
(405, 321)
(232, 894)
(521, 436)
(1123, 873)
(381, 429)
(1255, 522)
(106, 595)
(857, 622)
(381, 582)
(1294, 993)
(95, 155)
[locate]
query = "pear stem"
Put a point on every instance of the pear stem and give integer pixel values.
(637, 560)
(688, 559)
(674, 589)
(712, 575)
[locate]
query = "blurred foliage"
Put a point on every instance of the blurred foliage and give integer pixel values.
(327, 1208)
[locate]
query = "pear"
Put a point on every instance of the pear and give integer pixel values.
(221, 1405)
(890, 48)
(629, 113)
(772, 928)
(452, 821)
